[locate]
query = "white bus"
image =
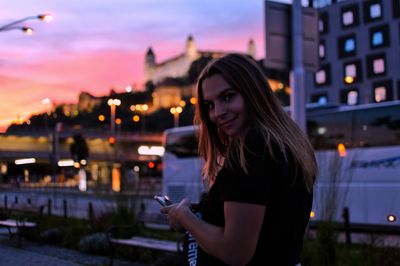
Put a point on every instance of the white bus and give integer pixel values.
(358, 154)
(181, 165)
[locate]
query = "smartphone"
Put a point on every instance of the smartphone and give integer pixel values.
(163, 200)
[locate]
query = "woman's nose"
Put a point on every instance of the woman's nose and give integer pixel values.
(219, 110)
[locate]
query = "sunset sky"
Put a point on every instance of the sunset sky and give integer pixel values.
(94, 45)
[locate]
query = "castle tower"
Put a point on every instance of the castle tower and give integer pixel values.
(149, 64)
(251, 48)
(191, 50)
(150, 60)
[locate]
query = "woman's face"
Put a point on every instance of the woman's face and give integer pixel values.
(225, 106)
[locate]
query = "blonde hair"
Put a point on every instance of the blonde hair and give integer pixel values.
(265, 112)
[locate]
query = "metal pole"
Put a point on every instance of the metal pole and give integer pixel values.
(49, 206)
(176, 120)
(90, 212)
(297, 97)
(55, 150)
(347, 229)
(9, 25)
(143, 126)
(65, 207)
(112, 125)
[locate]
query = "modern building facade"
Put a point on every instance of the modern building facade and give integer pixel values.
(359, 52)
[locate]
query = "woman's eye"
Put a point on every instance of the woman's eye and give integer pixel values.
(228, 97)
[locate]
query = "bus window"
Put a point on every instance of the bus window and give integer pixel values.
(378, 127)
(182, 144)
(327, 129)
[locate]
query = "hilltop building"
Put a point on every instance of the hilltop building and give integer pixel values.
(86, 103)
(173, 77)
(179, 65)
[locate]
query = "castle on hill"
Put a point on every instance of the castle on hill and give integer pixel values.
(179, 65)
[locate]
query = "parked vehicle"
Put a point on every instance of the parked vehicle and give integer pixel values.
(358, 154)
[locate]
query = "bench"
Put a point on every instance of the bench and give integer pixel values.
(140, 241)
(19, 225)
(18, 221)
(156, 221)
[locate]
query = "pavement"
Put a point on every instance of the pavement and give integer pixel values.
(33, 254)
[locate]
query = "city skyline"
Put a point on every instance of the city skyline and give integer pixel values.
(99, 45)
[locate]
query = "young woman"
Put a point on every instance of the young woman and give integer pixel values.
(260, 169)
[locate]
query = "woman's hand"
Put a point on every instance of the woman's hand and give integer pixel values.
(176, 213)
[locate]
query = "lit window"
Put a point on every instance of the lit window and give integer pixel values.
(379, 66)
(349, 45)
(349, 96)
(350, 15)
(323, 100)
(351, 70)
(380, 94)
(320, 26)
(376, 65)
(352, 97)
(323, 26)
(377, 38)
(348, 18)
(382, 90)
(375, 11)
(321, 50)
(320, 77)
(305, 3)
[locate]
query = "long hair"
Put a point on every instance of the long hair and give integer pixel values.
(265, 112)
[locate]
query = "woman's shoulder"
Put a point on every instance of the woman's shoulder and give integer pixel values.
(257, 142)
(255, 139)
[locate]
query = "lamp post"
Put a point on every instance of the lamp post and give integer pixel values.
(142, 109)
(145, 107)
(115, 172)
(175, 111)
(28, 30)
(113, 103)
(47, 103)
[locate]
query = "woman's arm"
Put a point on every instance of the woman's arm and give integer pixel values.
(233, 244)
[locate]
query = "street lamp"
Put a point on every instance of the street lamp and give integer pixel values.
(47, 103)
(28, 30)
(193, 100)
(175, 111)
(113, 103)
(142, 109)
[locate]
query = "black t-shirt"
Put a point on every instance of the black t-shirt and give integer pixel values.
(269, 182)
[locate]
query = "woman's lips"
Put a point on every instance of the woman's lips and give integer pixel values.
(227, 123)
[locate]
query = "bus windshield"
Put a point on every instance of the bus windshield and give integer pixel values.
(182, 143)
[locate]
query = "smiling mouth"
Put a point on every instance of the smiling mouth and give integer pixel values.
(227, 123)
